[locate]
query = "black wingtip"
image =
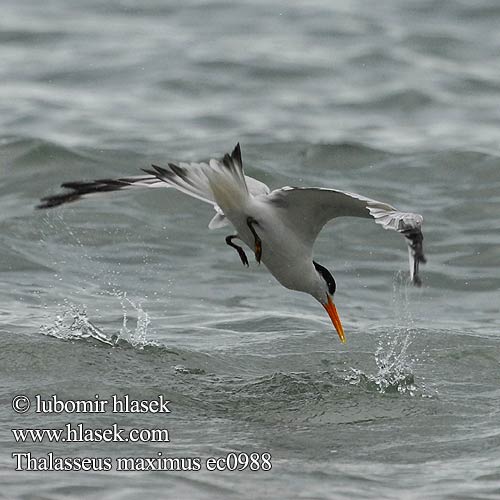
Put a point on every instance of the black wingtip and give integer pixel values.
(236, 154)
(160, 170)
(56, 200)
(228, 161)
(43, 205)
(156, 171)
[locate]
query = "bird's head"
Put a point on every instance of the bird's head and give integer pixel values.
(324, 293)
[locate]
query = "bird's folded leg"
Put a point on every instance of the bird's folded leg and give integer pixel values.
(241, 252)
(258, 241)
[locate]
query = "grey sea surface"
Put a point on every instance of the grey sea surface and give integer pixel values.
(130, 293)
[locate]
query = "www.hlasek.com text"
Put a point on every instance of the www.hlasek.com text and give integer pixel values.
(78, 433)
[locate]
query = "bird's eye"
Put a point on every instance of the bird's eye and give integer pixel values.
(332, 286)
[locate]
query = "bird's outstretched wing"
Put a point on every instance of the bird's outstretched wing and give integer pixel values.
(189, 178)
(78, 189)
(307, 210)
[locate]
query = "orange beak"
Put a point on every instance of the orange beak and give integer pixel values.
(334, 316)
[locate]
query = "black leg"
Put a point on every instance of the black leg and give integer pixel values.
(258, 241)
(241, 252)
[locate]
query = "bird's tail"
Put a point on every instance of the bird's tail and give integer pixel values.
(221, 183)
(228, 183)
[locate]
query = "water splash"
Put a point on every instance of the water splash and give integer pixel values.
(73, 323)
(393, 358)
(394, 366)
(138, 336)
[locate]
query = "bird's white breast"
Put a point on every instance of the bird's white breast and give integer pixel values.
(285, 255)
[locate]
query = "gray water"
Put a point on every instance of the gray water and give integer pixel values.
(131, 294)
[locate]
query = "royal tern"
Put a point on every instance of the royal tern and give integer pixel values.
(279, 226)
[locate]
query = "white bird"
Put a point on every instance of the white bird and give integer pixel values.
(279, 226)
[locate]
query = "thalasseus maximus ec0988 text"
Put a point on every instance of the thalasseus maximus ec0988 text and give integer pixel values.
(279, 226)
